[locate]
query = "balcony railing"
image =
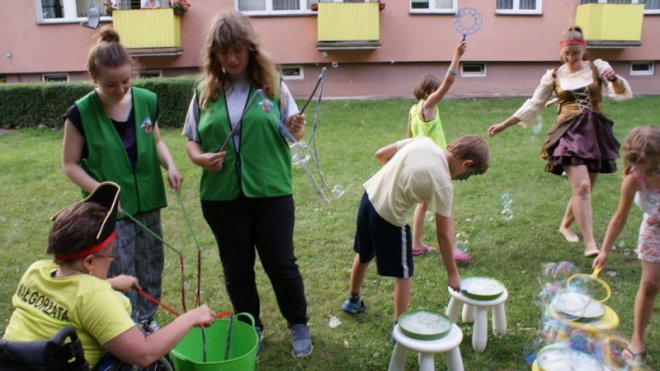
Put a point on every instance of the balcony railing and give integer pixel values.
(348, 25)
(149, 32)
(611, 25)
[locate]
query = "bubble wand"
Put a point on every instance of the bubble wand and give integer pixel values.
(467, 21)
(303, 152)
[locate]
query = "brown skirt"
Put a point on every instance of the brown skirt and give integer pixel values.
(585, 139)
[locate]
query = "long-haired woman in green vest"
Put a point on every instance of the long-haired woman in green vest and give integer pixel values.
(112, 134)
(246, 191)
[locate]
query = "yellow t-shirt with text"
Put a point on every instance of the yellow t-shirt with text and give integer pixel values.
(44, 304)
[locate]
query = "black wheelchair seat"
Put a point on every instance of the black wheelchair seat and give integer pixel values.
(62, 352)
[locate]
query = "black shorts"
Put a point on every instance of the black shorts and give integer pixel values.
(389, 244)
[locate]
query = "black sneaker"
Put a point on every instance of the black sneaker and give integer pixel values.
(301, 341)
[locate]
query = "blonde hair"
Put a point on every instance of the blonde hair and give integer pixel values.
(228, 30)
(641, 150)
(107, 52)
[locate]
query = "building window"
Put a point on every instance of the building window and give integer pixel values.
(641, 68)
(273, 6)
(55, 77)
(433, 6)
(473, 69)
(150, 74)
(57, 11)
(651, 7)
(518, 7)
(293, 73)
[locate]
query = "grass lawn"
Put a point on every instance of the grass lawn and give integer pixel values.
(32, 188)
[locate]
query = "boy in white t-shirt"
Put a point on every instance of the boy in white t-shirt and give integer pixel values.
(415, 170)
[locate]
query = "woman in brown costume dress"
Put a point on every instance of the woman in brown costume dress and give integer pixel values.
(581, 142)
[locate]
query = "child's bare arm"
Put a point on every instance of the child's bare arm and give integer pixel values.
(432, 100)
(384, 154)
(629, 187)
(444, 228)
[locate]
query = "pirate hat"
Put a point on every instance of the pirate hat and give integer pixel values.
(105, 194)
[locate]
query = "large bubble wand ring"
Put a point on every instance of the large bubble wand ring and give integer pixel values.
(467, 21)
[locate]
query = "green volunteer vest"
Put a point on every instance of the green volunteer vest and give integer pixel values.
(261, 167)
(142, 187)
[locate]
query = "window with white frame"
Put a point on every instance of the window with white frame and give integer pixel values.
(55, 77)
(642, 68)
(433, 6)
(518, 7)
(57, 11)
(650, 7)
(290, 72)
(473, 69)
(273, 6)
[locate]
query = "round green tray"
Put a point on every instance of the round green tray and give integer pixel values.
(481, 288)
(424, 325)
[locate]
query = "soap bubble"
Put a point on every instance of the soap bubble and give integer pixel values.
(337, 191)
(462, 241)
(506, 200)
(428, 216)
(537, 126)
(324, 55)
(335, 64)
(506, 214)
(296, 159)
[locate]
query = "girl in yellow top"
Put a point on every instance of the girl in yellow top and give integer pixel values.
(72, 290)
(424, 120)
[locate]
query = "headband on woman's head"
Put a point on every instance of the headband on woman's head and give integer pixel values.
(574, 41)
(105, 194)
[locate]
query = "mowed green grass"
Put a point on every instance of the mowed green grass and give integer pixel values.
(33, 187)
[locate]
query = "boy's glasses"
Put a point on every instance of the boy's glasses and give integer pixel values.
(113, 255)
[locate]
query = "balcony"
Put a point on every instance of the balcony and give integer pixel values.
(611, 25)
(348, 26)
(149, 32)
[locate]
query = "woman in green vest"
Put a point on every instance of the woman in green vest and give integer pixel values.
(235, 135)
(112, 134)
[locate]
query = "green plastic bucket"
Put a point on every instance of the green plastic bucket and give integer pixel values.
(243, 341)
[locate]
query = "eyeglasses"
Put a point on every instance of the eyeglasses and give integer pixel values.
(113, 256)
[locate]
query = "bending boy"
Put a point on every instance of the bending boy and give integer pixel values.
(415, 170)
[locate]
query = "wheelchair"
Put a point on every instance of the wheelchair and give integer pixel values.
(62, 352)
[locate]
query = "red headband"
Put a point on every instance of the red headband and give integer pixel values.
(90, 251)
(569, 42)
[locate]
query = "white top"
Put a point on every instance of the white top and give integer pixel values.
(418, 172)
(531, 109)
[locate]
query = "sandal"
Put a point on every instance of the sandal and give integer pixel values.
(422, 250)
(630, 356)
(461, 256)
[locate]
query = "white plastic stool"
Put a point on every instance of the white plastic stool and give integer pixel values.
(427, 348)
(475, 310)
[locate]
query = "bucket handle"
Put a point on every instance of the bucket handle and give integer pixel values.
(247, 315)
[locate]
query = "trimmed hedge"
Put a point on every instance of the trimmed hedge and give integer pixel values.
(35, 104)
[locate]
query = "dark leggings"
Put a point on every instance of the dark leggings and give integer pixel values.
(265, 223)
